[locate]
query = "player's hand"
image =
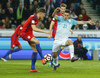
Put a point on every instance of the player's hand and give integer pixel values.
(49, 36)
(57, 9)
(91, 22)
(71, 31)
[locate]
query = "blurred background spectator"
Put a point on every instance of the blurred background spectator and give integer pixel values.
(0, 8)
(71, 8)
(73, 15)
(80, 19)
(59, 2)
(35, 5)
(47, 24)
(6, 23)
(76, 27)
(85, 27)
(76, 3)
(30, 10)
(80, 51)
(3, 14)
(47, 8)
(19, 14)
(97, 26)
(85, 16)
(90, 27)
(78, 9)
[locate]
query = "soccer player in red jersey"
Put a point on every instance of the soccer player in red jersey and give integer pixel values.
(14, 41)
(27, 34)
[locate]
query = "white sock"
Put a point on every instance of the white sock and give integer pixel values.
(71, 50)
(55, 61)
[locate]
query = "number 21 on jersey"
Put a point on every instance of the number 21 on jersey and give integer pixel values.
(65, 26)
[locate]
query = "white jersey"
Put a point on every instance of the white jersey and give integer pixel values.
(63, 28)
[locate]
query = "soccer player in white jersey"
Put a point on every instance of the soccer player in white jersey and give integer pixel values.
(59, 12)
(62, 34)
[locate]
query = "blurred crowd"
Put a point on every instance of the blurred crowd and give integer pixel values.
(13, 11)
(95, 4)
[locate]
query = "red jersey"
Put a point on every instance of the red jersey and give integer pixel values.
(14, 37)
(32, 20)
(55, 25)
(18, 31)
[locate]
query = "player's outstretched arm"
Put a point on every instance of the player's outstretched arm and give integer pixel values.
(50, 29)
(85, 22)
(38, 30)
(55, 12)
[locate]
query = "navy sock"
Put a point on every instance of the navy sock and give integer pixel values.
(59, 51)
(34, 57)
(9, 52)
(39, 50)
(16, 50)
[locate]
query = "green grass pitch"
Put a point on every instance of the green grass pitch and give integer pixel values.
(67, 69)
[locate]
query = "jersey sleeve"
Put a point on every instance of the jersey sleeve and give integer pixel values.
(74, 22)
(54, 20)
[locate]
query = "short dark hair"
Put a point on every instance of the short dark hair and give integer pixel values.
(42, 10)
(81, 4)
(97, 21)
(79, 35)
(23, 20)
(67, 11)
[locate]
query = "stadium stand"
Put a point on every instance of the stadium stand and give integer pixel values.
(28, 7)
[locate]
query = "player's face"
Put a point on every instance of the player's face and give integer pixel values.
(79, 38)
(23, 22)
(66, 16)
(42, 15)
(62, 10)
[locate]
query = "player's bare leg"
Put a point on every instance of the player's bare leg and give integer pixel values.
(55, 59)
(39, 49)
(52, 62)
(71, 49)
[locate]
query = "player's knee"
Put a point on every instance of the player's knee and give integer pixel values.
(12, 48)
(20, 48)
(54, 55)
(37, 42)
(70, 42)
(62, 47)
(35, 51)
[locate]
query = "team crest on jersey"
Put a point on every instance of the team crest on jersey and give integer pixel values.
(20, 28)
(33, 21)
(28, 37)
(13, 45)
(53, 19)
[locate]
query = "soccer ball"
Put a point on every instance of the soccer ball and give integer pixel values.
(48, 57)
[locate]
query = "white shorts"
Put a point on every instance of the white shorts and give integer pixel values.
(57, 45)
